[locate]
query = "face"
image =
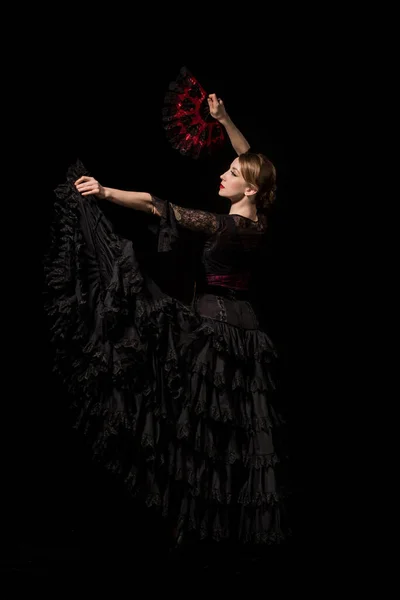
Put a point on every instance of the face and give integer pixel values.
(233, 186)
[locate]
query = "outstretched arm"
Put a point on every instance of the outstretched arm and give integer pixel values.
(89, 186)
(218, 111)
(196, 220)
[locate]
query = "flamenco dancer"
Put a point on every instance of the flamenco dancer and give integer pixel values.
(178, 401)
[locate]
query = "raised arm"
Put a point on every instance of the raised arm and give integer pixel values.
(218, 111)
(195, 220)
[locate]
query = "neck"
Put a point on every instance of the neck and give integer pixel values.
(244, 209)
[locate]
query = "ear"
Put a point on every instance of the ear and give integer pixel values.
(250, 191)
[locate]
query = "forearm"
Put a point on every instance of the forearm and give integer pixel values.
(137, 200)
(237, 139)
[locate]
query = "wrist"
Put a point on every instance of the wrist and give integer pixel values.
(107, 195)
(225, 121)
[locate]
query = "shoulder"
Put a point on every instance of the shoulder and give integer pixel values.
(247, 226)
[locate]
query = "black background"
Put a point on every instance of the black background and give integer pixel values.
(102, 104)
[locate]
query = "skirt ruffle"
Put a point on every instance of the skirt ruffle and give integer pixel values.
(182, 407)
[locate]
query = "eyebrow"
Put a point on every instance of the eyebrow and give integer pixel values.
(234, 169)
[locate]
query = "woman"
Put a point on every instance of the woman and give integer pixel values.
(179, 401)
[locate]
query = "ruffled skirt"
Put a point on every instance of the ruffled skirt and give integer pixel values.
(182, 406)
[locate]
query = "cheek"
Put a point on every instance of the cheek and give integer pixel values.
(239, 186)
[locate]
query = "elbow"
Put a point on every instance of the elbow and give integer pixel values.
(243, 149)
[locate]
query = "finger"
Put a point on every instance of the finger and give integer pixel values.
(88, 181)
(82, 179)
(86, 189)
(212, 97)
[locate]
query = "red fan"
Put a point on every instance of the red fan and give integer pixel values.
(189, 126)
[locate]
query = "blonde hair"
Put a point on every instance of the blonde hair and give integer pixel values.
(258, 170)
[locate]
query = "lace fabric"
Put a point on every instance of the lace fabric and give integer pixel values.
(193, 219)
(208, 222)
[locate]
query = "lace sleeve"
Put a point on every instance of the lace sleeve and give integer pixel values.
(196, 220)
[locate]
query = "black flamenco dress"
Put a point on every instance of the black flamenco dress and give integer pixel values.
(179, 401)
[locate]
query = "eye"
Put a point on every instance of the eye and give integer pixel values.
(234, 174)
